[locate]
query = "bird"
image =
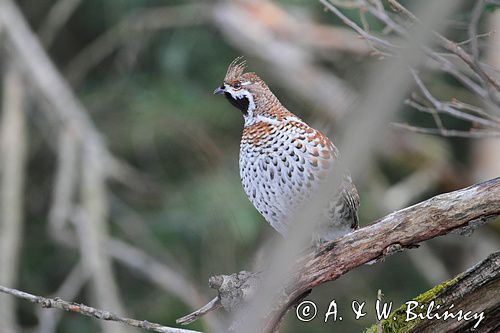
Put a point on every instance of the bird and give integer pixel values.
(283, 160)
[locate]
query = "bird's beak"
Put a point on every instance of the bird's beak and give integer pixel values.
(219, 90)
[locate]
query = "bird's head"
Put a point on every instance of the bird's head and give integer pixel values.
(246, 91)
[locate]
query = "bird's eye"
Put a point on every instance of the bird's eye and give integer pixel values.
(237, 85)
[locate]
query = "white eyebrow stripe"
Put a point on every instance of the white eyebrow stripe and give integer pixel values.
(246, 83)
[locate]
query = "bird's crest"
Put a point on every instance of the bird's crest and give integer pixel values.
(235, 69)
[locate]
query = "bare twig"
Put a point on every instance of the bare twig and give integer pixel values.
(379, 41)
(158, 273)
(448, 67)
(473, 109)
(445, 64)
(69, 289)
(476, 36)
(442, 107)
(88, 311)
(213, 305)
(452, 46)
(476, 134)
(482, 83)
(477, 11)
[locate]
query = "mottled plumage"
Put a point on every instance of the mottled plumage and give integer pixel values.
(283, 160)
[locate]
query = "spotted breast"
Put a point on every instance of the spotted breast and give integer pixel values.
(283, 161)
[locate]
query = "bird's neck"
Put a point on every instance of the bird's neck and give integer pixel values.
(269, 110)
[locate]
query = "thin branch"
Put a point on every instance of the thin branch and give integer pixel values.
(481, 83)
(69, 289)
(450, 45)
(213, 305)
(89, 311)
(357, 28)
(477, 11)
(446, 132)
(345, 4)
(442, 107)
(448, 67)
(472, 108)
(486, 80)
(476, 37)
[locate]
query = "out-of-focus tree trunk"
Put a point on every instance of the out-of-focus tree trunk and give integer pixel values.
(487, 159)
(486, 156)
(12, 163)
(93, 234)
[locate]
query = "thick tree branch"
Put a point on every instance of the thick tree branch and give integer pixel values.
(13, 155)
(85, 310)
(402, 229)
(468, 290)
(455, 211)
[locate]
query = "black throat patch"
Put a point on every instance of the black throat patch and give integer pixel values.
(240, 103)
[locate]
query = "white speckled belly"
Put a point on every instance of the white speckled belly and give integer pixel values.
(281, 166)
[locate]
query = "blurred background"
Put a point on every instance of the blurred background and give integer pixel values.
(120, 180)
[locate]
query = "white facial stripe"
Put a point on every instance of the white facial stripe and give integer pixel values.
(240, 93)
(250, 118)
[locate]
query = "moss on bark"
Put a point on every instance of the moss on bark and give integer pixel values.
(396, 322)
